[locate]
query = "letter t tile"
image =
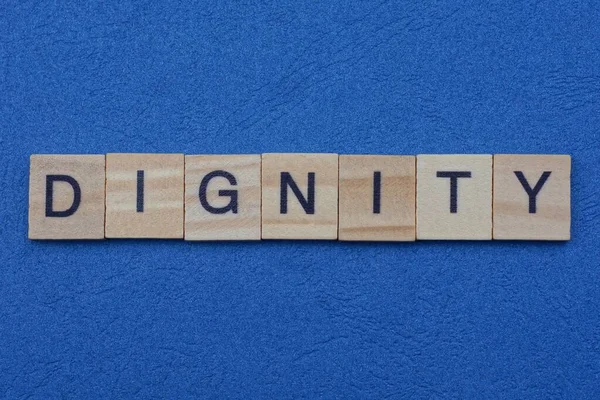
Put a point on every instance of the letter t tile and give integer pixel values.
(454, 197)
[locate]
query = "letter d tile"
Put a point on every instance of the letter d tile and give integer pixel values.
(66, 197)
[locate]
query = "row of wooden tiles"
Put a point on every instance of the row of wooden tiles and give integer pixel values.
(300, 196)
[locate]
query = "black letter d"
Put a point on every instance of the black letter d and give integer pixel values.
(50, 179)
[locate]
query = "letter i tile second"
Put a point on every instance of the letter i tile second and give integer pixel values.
(222, 197)
(377, 198)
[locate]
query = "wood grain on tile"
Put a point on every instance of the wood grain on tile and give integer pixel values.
(377, 198)
(454, 197)
(222, 200)
(66, 197)
(307, 214)
(532, 197)
(144, 196)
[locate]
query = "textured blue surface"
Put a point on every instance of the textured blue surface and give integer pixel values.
(144, 319)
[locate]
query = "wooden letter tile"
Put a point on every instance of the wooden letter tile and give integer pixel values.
(66, 197)
(454, 197)
(532, 197)
(299, 196)
(222, 197)
(377, 198)
(144, 196)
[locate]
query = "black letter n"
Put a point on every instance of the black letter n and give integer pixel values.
(307, 203)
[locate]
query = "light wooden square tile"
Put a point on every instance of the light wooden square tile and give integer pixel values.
(144, 196)
(377, 198)
(66, 197)
(532, 197)
(306, 214)
(222, 200)
(465, 216)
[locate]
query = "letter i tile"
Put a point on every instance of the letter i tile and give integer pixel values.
(144, 196)
(377, 198)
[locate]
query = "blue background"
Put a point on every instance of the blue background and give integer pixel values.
(158, 319)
